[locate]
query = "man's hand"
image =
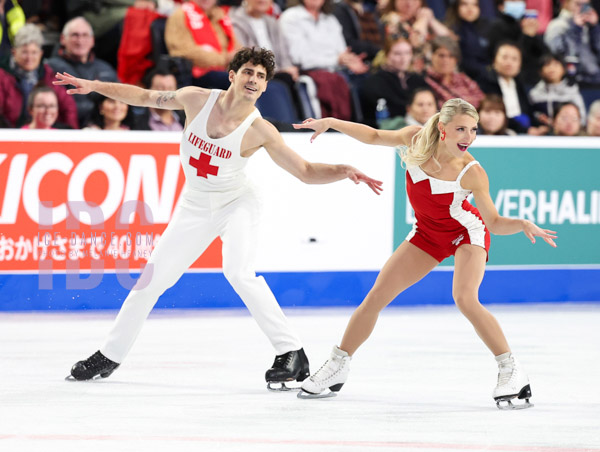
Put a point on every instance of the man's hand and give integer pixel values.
(357, 177)
(82, 86)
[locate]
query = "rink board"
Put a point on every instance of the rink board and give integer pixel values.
(327, 289)
(319, 245)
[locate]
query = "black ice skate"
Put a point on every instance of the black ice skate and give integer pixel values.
(96, 366)
(291, 366)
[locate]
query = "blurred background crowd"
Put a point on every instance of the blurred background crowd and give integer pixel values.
(529, 66)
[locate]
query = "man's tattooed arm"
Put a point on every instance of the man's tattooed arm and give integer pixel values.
(164, 97)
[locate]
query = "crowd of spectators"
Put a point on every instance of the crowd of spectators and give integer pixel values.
(528, 66)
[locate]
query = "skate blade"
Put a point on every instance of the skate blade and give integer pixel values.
(72, 378)
(509, 406)
(307, 395)
(280, 387)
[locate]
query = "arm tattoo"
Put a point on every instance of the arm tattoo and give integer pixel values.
(165, 97)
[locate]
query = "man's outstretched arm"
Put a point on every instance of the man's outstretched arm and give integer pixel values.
(308, 172)
(129, 94)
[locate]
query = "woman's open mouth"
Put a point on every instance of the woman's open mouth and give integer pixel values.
(462, 147)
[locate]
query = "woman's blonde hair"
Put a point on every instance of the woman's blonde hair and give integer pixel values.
(425, 142)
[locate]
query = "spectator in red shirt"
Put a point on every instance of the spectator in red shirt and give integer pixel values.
(22, 72)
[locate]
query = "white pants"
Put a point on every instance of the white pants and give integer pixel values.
(198, 219)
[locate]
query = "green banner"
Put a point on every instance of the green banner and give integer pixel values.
(557, 188)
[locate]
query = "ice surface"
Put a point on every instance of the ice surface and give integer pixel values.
(194, 381)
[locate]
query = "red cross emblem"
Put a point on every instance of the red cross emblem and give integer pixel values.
(203, 166)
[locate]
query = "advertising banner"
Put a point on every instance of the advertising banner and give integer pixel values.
(80, 212)
(552, 181)
(87, 205)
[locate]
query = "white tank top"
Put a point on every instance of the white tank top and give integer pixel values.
(213, 164)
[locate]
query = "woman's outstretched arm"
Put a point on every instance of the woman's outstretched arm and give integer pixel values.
(361, 132)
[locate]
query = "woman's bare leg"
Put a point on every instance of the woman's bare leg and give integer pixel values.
(469, 267)
(404, 268)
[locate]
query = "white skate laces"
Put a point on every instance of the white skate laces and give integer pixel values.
(512, 383)
(332, 375)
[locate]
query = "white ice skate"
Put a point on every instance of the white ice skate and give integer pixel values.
(512, 383)
(332, 375)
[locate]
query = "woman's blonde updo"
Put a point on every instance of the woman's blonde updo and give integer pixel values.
(425, 142)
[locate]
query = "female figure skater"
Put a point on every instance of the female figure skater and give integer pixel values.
(440, 174)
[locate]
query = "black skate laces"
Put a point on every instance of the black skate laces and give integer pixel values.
(97, 361)
(281, 361)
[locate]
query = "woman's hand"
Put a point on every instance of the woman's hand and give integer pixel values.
(532, 231)
(318, 125)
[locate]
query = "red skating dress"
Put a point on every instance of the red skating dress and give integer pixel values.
(444, 218)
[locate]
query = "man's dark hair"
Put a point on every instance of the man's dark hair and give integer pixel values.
(256, 56)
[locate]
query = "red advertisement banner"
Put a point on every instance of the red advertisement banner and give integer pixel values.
(89, 205)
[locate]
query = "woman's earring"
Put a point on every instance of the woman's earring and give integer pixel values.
(443, 135)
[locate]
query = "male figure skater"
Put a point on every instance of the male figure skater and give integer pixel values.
(223, 130)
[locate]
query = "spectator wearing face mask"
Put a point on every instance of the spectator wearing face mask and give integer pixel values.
(512, 24)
